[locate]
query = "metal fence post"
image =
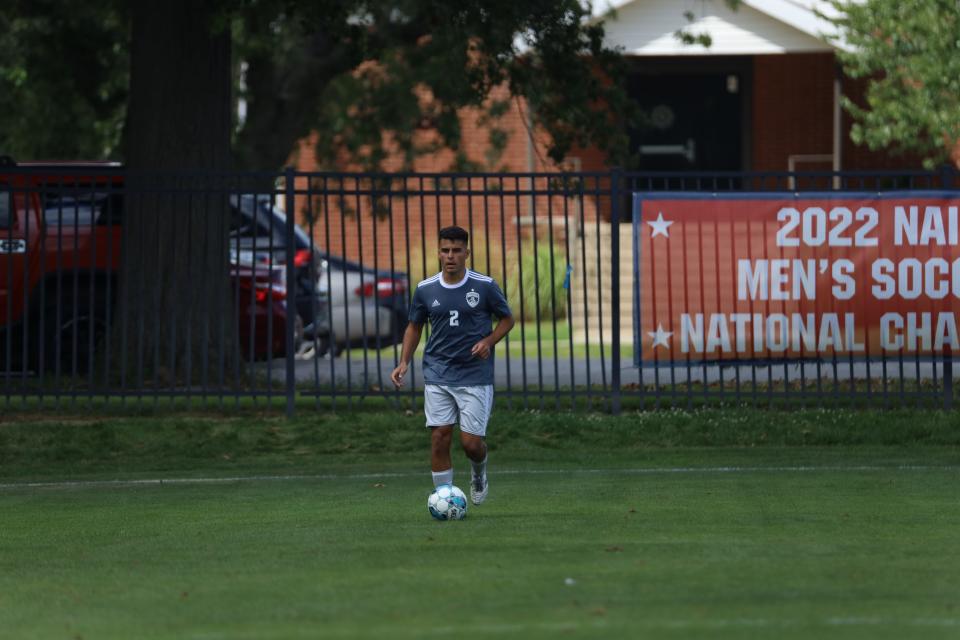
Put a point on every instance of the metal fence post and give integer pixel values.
(615, 176)
(948, 381)
(291, 278)
(947, 173)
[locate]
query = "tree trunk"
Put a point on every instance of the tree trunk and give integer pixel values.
(282, 99)
(177, 316)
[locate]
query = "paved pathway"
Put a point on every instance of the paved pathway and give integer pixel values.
(550, 373)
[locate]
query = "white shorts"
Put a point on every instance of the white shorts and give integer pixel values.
(467, 406)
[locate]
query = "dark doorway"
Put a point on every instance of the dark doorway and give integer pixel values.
(695, 114)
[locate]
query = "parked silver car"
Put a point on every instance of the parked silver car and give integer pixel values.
(367, 307)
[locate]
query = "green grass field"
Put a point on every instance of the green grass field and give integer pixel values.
(791, 525)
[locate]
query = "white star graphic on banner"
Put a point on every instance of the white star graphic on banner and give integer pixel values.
(660, 337)
(660, 226)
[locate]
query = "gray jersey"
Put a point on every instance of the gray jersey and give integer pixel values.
(460, 316)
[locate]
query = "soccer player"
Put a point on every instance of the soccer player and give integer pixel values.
(458, 360)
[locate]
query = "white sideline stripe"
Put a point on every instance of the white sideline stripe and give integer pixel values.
(508, 472)
(603, 626)
(719, 623)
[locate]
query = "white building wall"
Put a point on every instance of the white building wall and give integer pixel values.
(647, 27)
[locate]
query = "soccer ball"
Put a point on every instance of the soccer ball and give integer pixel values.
(447, 502)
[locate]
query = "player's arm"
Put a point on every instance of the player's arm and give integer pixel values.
(482, 349)
(411, 339)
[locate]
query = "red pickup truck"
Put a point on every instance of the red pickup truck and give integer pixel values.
(59, 266)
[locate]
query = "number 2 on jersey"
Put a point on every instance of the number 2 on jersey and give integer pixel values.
(454, 318)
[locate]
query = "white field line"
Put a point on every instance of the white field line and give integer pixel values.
(710, 624)
(601, 626)
(139, 482)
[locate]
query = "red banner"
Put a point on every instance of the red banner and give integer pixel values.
(761, 276)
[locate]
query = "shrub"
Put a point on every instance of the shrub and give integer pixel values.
(536, 276)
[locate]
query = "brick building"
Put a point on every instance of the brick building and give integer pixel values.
(765, 96)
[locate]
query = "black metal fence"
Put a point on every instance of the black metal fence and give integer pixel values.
(294, 287)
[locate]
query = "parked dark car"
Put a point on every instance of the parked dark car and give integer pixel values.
(258, 236)
(351, 304)
(262, 301)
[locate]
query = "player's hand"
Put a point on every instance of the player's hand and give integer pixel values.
(481, 350)
(398, 373)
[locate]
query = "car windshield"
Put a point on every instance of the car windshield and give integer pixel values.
(269, 219)
(302, 239)
(63, 208)
(69, 212)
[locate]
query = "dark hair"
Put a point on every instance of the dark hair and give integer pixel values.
(456, 234)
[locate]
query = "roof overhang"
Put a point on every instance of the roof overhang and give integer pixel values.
(647, 27)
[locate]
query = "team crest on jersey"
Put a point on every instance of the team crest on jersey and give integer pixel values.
(473, 298)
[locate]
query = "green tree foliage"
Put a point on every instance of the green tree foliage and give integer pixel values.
(910, 53)
(349, 70)
(64, 72)
(406, 67)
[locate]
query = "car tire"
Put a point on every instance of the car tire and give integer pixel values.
(322, 346)
(73, 326)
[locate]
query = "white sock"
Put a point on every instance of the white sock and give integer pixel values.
(442, 477)
(479, 468)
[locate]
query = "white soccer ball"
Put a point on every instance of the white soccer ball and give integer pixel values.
(447, 502)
